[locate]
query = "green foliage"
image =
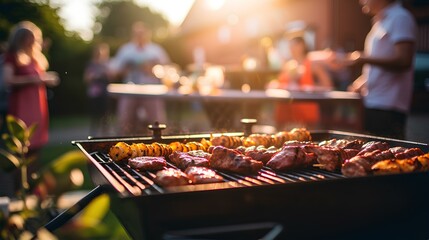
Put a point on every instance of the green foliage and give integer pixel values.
(67, 52)
(117, 17)
(17, 141)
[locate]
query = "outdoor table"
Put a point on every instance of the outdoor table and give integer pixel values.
(233, 96)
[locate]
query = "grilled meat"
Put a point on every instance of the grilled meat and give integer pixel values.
(360, 165)
(295, 143)
(328, 158)
(409, 153)
(290, 157)
(342, 144)
(147, 163)
(171, 177)
(259, 153)
(232, 160)
(199, 153)
(184, 160)
(372, 146)
(200, 175)
(414, 164)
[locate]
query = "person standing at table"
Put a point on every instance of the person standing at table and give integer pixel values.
(300, 74)
(386, 83)
(24, 70)
(133, 63)
(97, 78)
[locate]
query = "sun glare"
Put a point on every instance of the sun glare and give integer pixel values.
(175, 11)
(214, 4)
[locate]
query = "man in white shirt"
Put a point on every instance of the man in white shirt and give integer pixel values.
(386, 82)
(133, 63)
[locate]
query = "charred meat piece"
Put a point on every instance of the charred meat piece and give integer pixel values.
(147, 163)
(231, 160)
(171, 177)
(409, 153)
(199, 153)
(291, 157)
(328, 158)
(360, 165)
(342, 144)
(200, 175)
(295, 143)
(356, 166)
(372, 146)
(259, 153)
(362, 168)
(184, 160)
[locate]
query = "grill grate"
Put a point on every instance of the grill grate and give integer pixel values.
(141, 183)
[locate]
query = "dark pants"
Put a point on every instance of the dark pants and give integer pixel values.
(386, 123)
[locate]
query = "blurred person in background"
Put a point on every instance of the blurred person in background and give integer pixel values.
(97, 77)
(300, 74)
(24, 71)
(386, 83)
(133, 63)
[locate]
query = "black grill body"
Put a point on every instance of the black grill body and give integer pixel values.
(299, 204)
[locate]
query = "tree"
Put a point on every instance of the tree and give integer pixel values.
(67, 53)
(116, 17)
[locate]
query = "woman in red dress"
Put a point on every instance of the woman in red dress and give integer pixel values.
(24, 70)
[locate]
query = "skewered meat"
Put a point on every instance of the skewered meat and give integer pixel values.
(372, 146)
(342, 144)
(261, 153)
(171, 177)
(223, 158)
(200, 175)
(295, 143)
(184, 160)
(360, 165)
(147, 163)
(415, 164)
(332, 158)
(199, 153)
(290, 157)
(409, 153)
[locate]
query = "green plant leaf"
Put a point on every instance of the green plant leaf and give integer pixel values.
(30, 131)
(20, 147)
(8, 161)
(10, 143)
(16, 127)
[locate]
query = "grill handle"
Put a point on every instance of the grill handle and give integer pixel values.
(68, 214)
(156, 130)
(248, 124)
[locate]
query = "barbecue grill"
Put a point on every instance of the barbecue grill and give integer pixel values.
(299, 204)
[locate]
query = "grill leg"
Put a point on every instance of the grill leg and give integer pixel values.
(65, 216)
